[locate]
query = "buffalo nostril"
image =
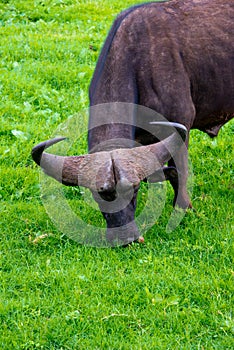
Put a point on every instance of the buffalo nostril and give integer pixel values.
(108, 196)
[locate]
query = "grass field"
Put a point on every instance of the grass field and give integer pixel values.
(173, 292)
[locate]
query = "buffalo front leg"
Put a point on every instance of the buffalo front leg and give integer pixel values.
(179, 182)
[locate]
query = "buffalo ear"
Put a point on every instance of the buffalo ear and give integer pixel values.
(166, 173)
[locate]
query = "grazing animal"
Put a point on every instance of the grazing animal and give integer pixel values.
(175, 58)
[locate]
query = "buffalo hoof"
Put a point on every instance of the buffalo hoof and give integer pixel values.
(182, 201)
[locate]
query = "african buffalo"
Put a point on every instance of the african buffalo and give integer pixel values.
(175, 58)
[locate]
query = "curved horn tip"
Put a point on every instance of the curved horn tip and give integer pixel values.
(54, 141)
(183, 131)
(39, 149)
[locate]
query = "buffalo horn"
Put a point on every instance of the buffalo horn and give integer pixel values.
(91, 170)
(101, 171)
(135, 164)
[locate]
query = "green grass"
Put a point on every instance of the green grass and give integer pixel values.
(173, 292)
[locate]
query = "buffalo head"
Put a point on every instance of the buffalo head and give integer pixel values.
(113, 177)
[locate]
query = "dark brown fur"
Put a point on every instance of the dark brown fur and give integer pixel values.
(175, 57)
